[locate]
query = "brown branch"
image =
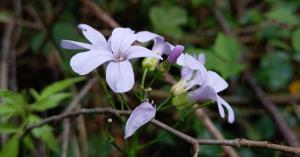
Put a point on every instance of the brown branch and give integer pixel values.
(276, 115)
(214, 131)
(235, 142)
(101, 14)
(269, 106)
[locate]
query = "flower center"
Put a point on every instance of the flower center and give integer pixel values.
(121, 57)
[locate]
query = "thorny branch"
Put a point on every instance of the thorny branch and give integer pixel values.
(233, 142)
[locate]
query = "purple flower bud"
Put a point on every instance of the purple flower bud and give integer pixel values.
(176, 52)
(139, 117)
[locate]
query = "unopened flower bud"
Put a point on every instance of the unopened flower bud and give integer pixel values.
(164, 66)
(179, 88)
(176, 52)
(150, 63)
(181, 101)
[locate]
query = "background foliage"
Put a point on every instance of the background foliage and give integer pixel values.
(42, 84)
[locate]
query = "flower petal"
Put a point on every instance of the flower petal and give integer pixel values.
(139, 117)
(228, 107)
(121, 39)
(145, 36)
(176, 52)
(139, 51)
(160, 46)
(203, 93)
(119, 76)
(201, 58)
(191, 62)
(92, 34)
(85, 62)
(216, 81)
(69, 44)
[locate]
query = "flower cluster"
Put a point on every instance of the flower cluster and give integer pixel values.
(124, 44)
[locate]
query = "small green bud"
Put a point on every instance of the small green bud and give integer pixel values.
(178, 88)
(164, 66)
(150, 63)
(181, 101)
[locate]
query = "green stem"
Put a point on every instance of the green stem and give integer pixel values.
(154, 78)
(134, 146)
(162, 104)
(108, 95)
(143, 82)
(125, 102)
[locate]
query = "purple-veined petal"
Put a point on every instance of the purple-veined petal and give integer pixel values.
(186, 73)
(121, 39)
(69, 44)
(139, 117)
(216, 81)
(145, 36)
(228, 107)
(120, 76)
(176, 52)
(188, 60)
(201, 58)
(203, 93)
(139, 51)
(92, 34)
(85, 62)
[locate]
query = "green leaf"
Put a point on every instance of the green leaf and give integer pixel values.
(227, 48)
(59, 86)
(12, 98)
(283, 15)
(6, 109)
(49, 102)
(296, 40)
(275, 71)
(8, 128)
(167, 20)
(11, 148)
(36, 41)
(45, 133)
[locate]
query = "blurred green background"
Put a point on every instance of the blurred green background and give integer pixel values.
(265, 41)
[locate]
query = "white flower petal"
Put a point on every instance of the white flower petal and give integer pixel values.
(69, 44)
(145, 36)
(139, 51)
(201, 58)
(120, 76)
(203, 93)
(139, 117)
(85, 62)
(228, 107)
(94, 36)
(216, 81)
(121, 39)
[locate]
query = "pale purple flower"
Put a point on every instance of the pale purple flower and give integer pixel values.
(176, 52)
(139, 117)
(118, 50)
(210, 83)
(192, 74)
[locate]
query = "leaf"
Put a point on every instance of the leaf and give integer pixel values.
(167, 20)
(59, 86)
(296, 40)
(8, 128)
(275, 71)
(283, 15)
(11, 148)
(45, 133)
(227, 48)
(49, 102)
(12, 98)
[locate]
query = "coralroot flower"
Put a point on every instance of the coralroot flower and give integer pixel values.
(139, 117)
(210, 84)
(118, 50)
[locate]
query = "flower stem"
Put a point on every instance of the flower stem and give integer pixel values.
(108, 95)
(154, 78)
(143, 82)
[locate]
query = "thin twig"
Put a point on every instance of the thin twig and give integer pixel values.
(269, 106)
(101, 14)
(214, 131)
(65, 137)
(234, 142)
